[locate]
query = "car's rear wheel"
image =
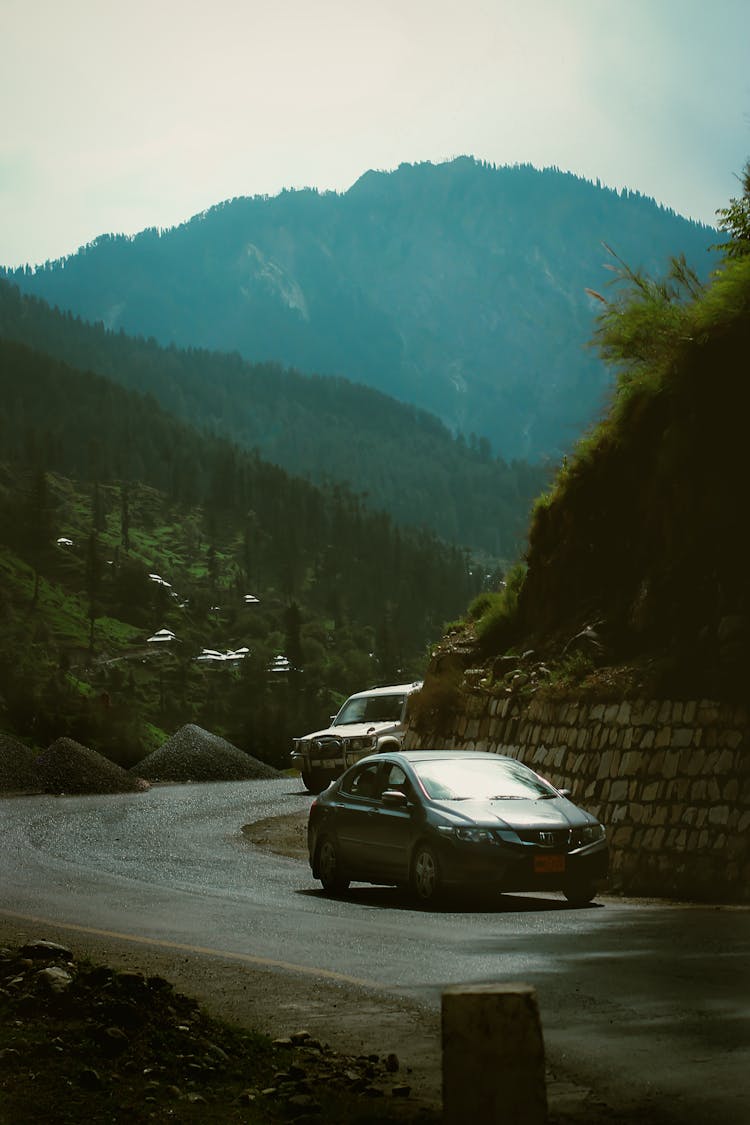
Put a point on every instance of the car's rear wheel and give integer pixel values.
(330, 871)
(580, 894)
(426, 881)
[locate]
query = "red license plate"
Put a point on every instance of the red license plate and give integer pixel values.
(549, 864)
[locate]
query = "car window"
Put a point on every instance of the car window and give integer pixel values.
(397, 779)
(450, 779)
(365, 782)
(371, 709)
(384, 708)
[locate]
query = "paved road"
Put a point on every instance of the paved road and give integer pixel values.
(639, 998)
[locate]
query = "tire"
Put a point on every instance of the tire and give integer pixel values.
(328, 864)
(426, 880)
(580, 894)
(313, 780)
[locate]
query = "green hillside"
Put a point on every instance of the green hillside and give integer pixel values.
(118, 521)
(636, 556)
(401, 459)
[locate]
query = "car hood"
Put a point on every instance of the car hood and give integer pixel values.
(353, 730)
(554, 812)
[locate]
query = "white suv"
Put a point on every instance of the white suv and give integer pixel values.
(369, 722)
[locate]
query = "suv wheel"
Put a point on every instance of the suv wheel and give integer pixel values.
(313, 780)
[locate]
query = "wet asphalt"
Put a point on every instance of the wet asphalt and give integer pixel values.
(641, 997)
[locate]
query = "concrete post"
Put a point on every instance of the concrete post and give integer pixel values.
(493, 1056)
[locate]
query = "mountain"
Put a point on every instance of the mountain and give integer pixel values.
(458, 287)
(118, 523)
(324, 428)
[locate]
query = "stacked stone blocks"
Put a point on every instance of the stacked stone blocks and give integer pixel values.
(669, 779)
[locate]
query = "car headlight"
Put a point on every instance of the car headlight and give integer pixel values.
(475, 835)
(468, 835)
(591, 833)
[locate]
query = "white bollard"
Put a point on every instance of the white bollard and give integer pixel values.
(493, 1056)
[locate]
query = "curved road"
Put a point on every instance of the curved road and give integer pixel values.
(645, 1001)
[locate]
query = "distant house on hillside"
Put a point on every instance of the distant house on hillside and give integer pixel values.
(160, 581)
(161, 636)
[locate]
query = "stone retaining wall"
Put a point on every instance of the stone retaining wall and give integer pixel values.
(670, 780)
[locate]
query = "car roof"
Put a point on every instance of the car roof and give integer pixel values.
(390, 690)
(416, 756)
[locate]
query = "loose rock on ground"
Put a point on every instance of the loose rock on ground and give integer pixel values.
(82, 1042)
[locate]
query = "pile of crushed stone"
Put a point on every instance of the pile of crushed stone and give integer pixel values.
(194, 754)
(17, 770)
(68, 767)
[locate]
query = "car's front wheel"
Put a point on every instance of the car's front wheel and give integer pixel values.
(330, 872)
(426, 882)
(580, 894)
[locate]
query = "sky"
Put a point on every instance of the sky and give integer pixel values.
(119, 115)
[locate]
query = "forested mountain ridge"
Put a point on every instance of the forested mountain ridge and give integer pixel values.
(324, 428)
(458, 287)
(118, 520)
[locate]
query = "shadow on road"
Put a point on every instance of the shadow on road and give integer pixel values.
(466, 902)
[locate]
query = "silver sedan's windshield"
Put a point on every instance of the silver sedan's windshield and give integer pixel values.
(480, 779)
(371, 709)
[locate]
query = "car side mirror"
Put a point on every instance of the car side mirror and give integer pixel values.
(395, 798)
(565, 792)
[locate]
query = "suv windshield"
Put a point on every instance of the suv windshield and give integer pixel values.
(480, 780)
(371, 709)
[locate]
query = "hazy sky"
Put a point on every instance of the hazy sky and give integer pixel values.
(121, 115)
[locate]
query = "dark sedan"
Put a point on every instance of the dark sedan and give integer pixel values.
(432, 820)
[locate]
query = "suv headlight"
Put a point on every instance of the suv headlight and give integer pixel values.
(367, 743)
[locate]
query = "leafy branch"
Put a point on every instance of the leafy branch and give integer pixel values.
(640, 327)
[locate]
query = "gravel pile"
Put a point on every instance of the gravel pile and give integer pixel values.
(68, 767)
(17, 770)
(194, 754)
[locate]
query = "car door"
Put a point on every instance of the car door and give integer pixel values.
(357, 803)
(389, 827)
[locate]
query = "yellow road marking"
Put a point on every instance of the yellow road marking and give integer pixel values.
(161, 943)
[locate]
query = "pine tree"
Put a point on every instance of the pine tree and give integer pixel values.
(93, 582)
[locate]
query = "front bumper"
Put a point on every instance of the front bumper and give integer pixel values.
(526, 869)
(334, 765)
(333, 756)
